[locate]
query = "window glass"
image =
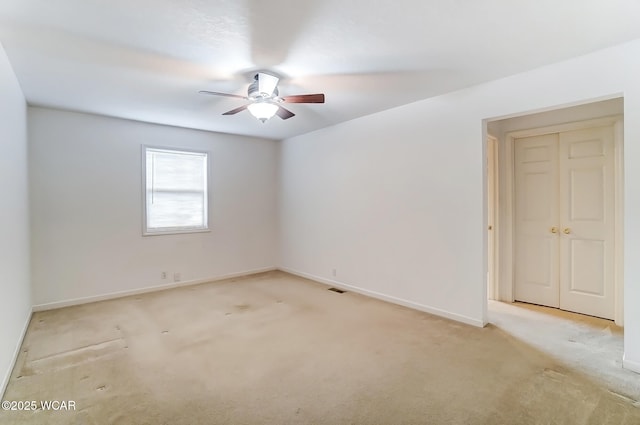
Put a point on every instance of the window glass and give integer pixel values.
(175, 191)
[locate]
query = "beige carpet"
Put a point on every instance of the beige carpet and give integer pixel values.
(590, 345)
(276, 349)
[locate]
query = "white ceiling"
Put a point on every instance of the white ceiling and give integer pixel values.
(147, 59)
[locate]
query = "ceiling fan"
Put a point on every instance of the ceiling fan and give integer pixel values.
(265, 100)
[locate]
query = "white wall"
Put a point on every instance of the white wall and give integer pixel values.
(86, 198)
(15, 293)
(396, 201)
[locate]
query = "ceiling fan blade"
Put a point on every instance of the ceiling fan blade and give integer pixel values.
(267, 83)
(215, 93)
(285, 114)
(305, 98)
(235, 111)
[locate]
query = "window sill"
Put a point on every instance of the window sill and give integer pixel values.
(175, 232)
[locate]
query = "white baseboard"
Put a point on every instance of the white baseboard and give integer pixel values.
(388, 298)
(630, 364)
(120, 294)
(16, 353)
(352, 288)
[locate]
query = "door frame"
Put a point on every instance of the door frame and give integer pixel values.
(505, 209)
(493, 202)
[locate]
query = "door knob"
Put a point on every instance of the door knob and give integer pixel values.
(566, 231)
(554, 229)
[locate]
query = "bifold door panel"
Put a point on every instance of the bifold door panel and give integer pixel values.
(564, 221)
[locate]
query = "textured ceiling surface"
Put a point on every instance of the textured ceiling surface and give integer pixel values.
(147, 59)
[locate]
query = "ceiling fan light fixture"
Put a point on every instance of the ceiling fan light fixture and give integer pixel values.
(263, 110)
(264, 99)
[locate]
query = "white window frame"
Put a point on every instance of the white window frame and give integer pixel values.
(174, 230)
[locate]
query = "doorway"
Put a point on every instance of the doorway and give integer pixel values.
(558, 172)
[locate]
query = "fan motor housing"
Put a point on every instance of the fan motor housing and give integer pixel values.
(253, 91)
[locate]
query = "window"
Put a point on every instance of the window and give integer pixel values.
(175, 183)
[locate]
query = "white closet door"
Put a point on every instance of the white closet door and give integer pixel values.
(536, 255)
(587, 221)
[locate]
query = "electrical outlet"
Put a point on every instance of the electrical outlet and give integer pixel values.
(163, 275)
(176, 277)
